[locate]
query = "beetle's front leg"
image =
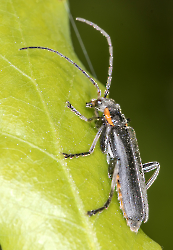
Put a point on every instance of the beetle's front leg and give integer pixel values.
(91, 150)
(82, 116)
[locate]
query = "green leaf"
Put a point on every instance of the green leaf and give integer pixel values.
(44, 198)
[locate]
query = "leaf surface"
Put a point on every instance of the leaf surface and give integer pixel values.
(44, 198)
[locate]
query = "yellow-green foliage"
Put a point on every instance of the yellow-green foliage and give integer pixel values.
(44, 198)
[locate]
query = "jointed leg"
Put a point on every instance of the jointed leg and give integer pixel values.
(81, 116)
(91, 150)
(147, 167)
(113, 184)
(112, 164)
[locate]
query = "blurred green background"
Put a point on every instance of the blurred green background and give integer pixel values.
(142, 37)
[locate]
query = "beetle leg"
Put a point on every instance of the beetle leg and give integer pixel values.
(111, 166)
(81, 116)
(91, 150)
(113, 184)
(147, 167)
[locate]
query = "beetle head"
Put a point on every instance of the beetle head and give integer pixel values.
(101, 103)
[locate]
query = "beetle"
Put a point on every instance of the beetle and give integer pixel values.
(118, 141)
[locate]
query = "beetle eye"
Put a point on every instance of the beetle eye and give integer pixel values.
(99, 102)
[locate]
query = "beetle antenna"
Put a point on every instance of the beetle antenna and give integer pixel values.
(70, 61)
(108, 84)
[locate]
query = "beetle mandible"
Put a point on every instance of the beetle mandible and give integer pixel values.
(118, 141)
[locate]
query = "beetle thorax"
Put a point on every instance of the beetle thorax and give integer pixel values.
(111, 110)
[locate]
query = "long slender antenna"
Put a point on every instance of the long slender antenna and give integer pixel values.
(80, 41)
(108, 84)
(70, 61)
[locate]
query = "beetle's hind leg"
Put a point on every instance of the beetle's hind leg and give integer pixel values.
(113, 184)
(147, 167)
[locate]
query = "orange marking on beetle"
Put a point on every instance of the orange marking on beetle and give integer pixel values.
(108, 116)
(118, 183)
(120, 196)
(125, 215)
